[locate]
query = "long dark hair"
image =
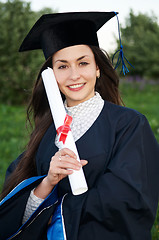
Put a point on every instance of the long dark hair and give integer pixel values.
(39, 115)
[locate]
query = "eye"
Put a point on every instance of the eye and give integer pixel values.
(62, 67)
(84, 63)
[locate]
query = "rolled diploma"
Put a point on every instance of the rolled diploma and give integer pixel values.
(77, 178)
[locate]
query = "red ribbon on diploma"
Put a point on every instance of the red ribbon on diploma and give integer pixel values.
(64, 129)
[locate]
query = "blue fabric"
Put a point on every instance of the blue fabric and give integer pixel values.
(19, 187)
(55, 229)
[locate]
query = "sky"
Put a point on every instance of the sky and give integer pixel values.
(109, 31)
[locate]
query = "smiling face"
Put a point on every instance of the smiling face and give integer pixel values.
(76, 71)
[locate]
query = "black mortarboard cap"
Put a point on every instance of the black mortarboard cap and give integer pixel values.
(53, 32)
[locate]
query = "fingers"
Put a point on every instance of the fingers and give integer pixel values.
(68, 159)
(65, 158)
(66, 151)
(62, 164)
(69, 163)
(83, 162)
(62, 172)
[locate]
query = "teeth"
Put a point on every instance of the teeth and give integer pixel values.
(76, 86)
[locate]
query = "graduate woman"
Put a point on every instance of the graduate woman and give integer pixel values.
(118, 152)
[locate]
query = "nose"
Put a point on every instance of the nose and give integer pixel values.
(74, 73)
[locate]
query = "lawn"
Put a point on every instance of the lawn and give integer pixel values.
(13, 133)
(145, 99)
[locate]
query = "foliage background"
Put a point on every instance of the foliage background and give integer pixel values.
(18, 71)
(140, 35)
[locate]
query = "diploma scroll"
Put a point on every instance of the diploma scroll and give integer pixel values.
(77, 178)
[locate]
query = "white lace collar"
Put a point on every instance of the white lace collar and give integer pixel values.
(84, 115)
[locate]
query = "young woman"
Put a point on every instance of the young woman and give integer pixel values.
(120, 156)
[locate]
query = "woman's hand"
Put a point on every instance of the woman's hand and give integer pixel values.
(62, 164)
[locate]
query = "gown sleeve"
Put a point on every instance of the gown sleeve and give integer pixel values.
(123, 203)
(12, 208)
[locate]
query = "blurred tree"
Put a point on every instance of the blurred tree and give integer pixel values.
(140, 44)
(17, 70)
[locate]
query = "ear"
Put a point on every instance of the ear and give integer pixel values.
(97, 72)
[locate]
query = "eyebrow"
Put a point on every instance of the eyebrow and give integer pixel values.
(65, 61)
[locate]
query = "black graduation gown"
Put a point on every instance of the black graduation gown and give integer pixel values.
(122, 175)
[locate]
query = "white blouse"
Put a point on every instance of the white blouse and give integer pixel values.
(84, 115)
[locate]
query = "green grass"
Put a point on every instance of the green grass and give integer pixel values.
(13, 134)
(144, 99)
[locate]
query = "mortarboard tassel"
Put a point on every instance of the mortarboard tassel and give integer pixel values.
(121, 56)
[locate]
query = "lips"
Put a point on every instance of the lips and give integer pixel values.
(76, 87)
